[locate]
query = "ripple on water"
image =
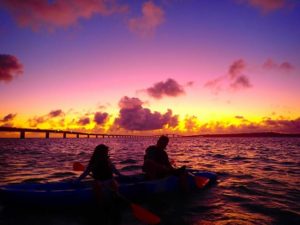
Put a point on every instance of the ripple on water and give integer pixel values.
(258, 178)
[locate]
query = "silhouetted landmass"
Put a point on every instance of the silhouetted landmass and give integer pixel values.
(260, 134)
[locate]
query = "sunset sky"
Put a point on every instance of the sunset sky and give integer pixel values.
(163, 66)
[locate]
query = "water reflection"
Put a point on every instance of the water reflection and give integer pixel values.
(259, 178)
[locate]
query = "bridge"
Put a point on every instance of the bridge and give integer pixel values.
(65, 133)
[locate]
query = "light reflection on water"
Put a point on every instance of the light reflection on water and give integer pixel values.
(259, 178)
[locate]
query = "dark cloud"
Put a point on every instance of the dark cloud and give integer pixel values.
(216, 85)
(234, 80)
(8, 118)
(169, 88)
(236, 68)
(270, 64)
(83, 121)
(100, 118)
(10, 67)
(245, 126)
(59, 13)
(152, 17)
(35, 121)
(133, 116)
(267, 5)
(241, 82)
(56, 113)
(283, 125)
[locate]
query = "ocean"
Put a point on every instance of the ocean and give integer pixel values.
(258, 178)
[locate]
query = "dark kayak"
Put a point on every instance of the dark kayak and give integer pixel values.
(67, 194)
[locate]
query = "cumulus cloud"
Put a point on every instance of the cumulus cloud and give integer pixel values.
(267, 5)
(132, 116)
(168, 88)
(10, 67)
(152, 17)
(285, 66)
(233, 80)
(100, 118)
(83, 121)
(59, 13)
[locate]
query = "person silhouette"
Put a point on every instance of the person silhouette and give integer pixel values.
(156, 161)
(105, 186)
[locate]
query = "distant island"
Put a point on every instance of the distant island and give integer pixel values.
(256, 134)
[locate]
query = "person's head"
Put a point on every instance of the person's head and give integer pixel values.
(162, 142)
(100, 152)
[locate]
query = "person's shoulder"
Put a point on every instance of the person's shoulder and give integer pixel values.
(151, 147)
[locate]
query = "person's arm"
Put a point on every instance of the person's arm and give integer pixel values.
(84, 174)
(152, 164)
(115, 170)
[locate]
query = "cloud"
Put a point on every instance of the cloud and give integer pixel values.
(285, 66)
(280, 125)
(8, 118)
(241, 82)
(283, 125)
(83, 121)
(239, 117)
(267, 5)
(152, 17)
(59, 13)
(132, 116)
(236, 68)
(37, 120)
(56, 113)
(169, 88)
(234, 79)
(100, 118)
(10, 67)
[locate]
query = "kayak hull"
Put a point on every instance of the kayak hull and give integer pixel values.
(67, 194)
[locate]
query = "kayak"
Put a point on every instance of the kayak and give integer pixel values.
(68, 194)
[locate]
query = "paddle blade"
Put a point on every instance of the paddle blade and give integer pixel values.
(77, 166)
(144, 215)
(201, 182)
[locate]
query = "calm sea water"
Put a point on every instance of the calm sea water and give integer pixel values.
(258, 178)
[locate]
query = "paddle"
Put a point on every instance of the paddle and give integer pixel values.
(138, 211)
(200, 182)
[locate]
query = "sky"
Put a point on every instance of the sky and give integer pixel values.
(150, 67)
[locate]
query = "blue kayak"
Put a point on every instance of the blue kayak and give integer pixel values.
(67, 194)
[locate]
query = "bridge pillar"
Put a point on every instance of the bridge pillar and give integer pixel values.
(88, 136)
(64, 135)
(22, 135)
(77, 135)
(47, 134)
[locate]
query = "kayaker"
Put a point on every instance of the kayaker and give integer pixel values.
(100, 166)
(105, 187)
(156, 161)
